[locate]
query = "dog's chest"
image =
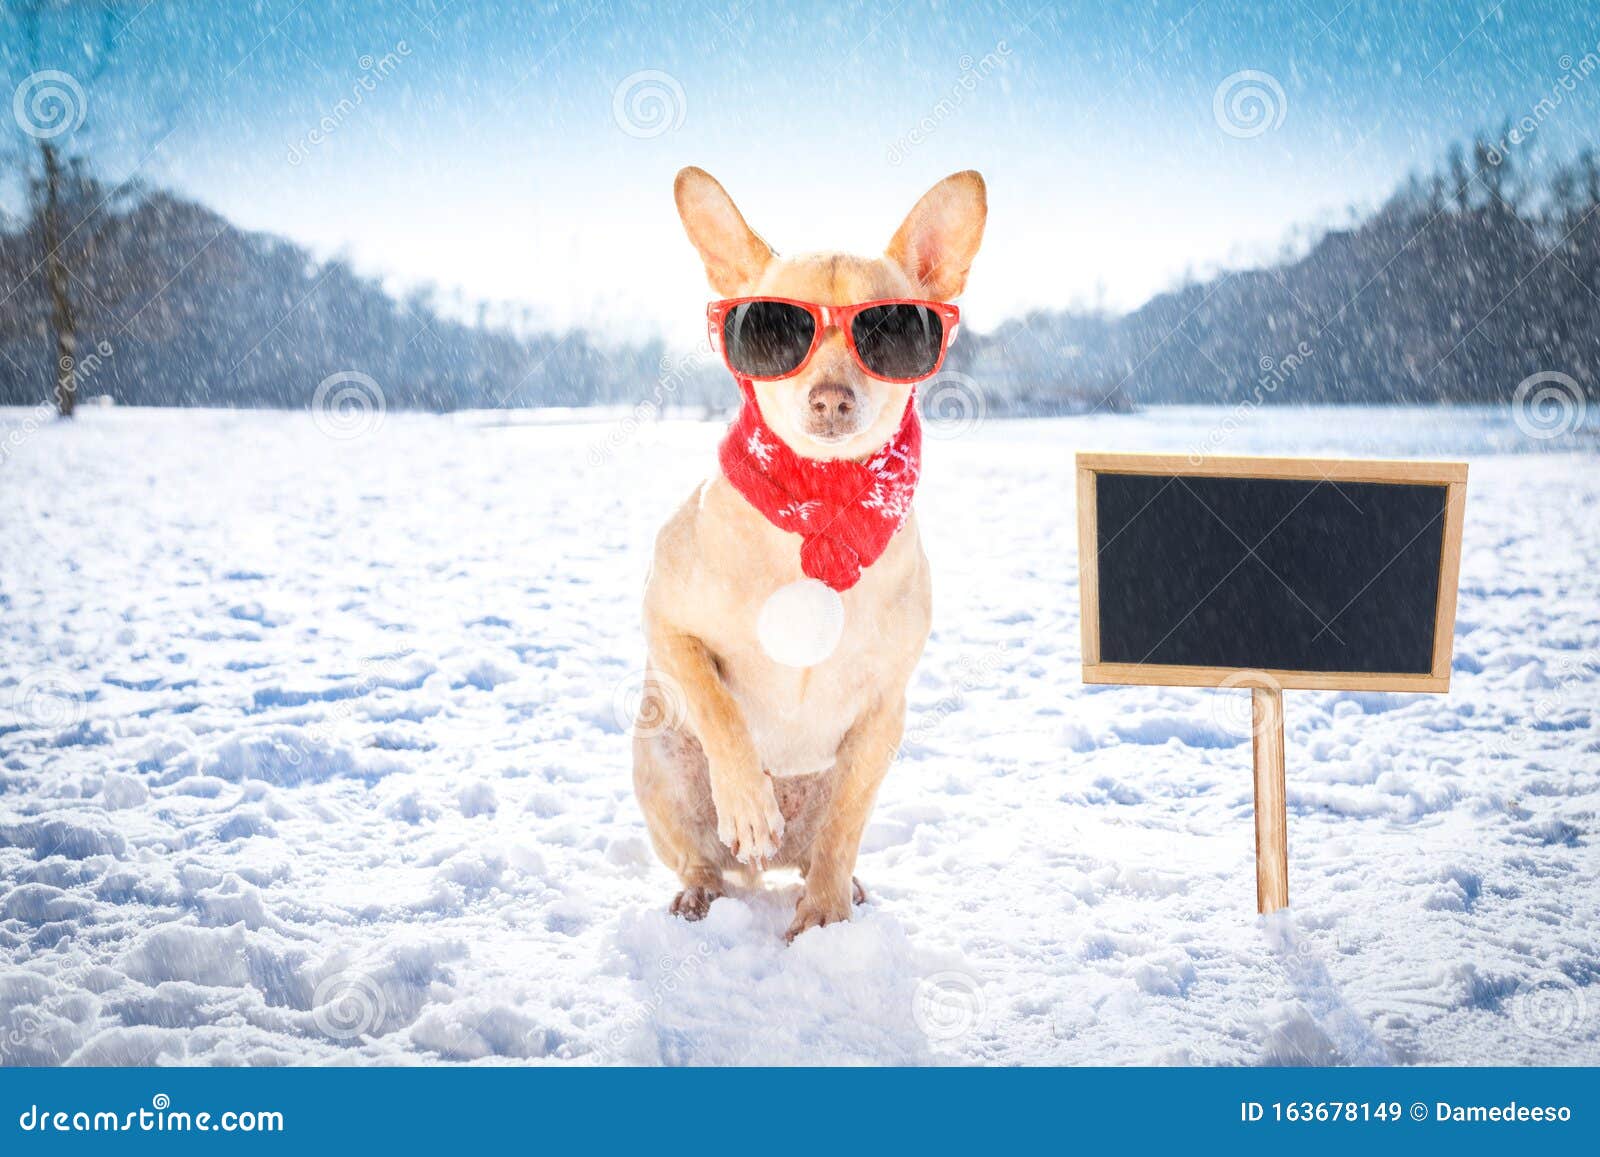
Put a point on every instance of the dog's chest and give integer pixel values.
(798, 717)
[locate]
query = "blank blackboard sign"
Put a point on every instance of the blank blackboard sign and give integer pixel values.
(1321, 572)
(1269, 573)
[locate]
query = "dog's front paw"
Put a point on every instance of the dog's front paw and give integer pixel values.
(816, 911)
(748, 820)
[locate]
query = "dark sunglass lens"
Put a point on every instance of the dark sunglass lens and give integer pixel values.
(767, 339)
(899, 341)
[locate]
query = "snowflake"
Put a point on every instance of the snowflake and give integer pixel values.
(891, 500)
(892, 455)
(759, 448)
(801, 510)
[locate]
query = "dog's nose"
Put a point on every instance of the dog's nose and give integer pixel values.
(829, 400)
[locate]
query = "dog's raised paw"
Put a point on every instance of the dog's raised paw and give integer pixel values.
(693, 903)
(749, 821)
(858, 894)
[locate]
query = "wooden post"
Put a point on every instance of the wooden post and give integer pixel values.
(1272, 808)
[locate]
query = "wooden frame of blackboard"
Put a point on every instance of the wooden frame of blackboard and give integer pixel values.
(1450, 475)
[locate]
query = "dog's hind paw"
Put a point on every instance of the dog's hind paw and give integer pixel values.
(693, 903)
(858, 894)
(816, 913)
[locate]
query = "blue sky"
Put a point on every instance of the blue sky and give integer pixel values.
(491, 157)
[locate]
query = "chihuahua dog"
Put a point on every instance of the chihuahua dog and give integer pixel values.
(749, 763)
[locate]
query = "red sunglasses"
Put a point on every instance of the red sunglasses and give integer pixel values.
(896, 339)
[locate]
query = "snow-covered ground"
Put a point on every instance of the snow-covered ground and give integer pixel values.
(315, 750)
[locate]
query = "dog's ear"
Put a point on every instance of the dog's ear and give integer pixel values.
(733, 254)
(940, 237)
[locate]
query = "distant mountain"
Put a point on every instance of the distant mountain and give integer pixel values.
(1458, 289)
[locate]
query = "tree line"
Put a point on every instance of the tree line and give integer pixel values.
(1465, 282)
(1468, 280)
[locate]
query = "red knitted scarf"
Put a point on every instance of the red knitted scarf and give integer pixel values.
(844, 511)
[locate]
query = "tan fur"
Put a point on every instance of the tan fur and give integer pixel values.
(762, 765)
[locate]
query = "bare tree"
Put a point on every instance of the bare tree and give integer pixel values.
(1460, 178)
(50, 105)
